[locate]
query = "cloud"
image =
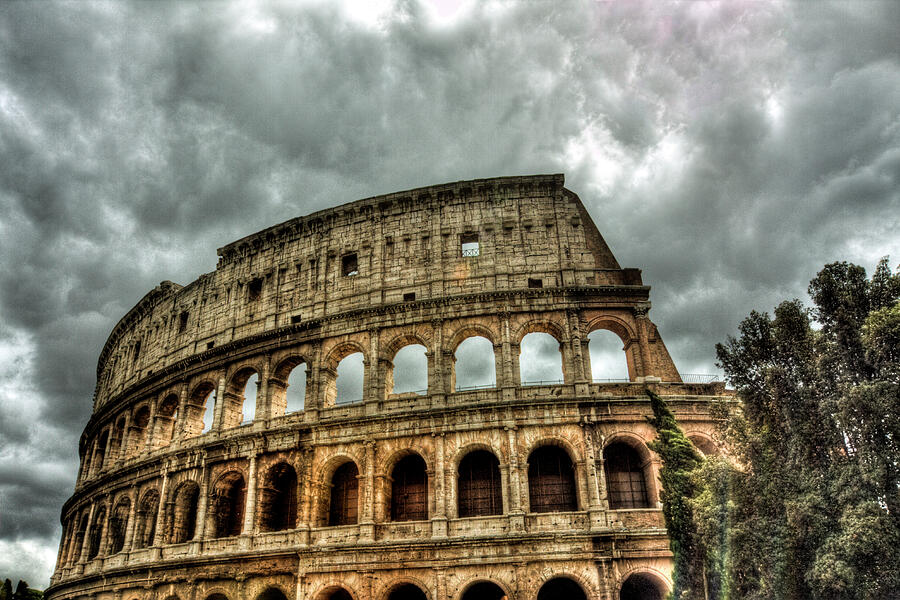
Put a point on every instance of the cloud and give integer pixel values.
(727, 149)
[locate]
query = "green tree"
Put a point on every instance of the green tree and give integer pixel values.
(813, 503)
(6, 591)
(679, 460)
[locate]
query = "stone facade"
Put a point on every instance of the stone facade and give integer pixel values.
(524, 491)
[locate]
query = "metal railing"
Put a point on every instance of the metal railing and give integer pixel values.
(597, 380)
(470, 251)
(468, 388)
(699, 377)
(544, 382)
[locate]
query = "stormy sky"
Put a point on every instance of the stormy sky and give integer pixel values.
(727, 149)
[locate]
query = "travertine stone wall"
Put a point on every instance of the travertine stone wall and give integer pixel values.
(163, 509)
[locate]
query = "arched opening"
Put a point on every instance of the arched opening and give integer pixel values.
(343, 508)
(409, 489)
(473, 366)
(349, 379)
(705, 445)
(278, 502)
(209, 411)
(251, 390)
(335, 593)
(626, 479)
(295, 395)
(166, 417)
(227, 504)
(642, 586)
(138, 435)
(540, 360)
(407, 591)
(101, 451)
(409, 371)
(272, 593)
(96, 533)
(184, 512)
(478, 485)
(561, 588)
(608, 360)
(484, 590)
(146, 520)
(217, 597)
(551, 481)
(119, 439)
(80, 532)
(118, 523)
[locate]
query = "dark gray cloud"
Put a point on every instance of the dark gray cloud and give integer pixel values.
(729, 150)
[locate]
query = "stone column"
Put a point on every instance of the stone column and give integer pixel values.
(181, 418)
(439, 520)
(202, 502)
(250, 508)
(516, 505)
(507, 371)
(263, 402)
(107, 459)
(129, 526)
(367, 522)
(504, 485)
(594, 507)
(642, 322)
(151, 427)
(159, 537)
(122, 450)
(219, 413)
(437, 383)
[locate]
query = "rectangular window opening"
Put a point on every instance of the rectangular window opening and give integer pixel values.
(254, 289)
(182, 321)
(469, 244)
(349, 265)
(535, 283)
(295, 319)
(137, 350)
(209, 345)
(409, 296)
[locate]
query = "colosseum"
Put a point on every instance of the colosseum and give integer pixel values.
(345, 409)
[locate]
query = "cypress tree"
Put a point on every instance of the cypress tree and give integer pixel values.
(679, 460)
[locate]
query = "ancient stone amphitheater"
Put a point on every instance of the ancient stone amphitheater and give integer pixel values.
(232, 455)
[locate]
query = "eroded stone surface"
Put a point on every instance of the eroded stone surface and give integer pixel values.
(361, 499)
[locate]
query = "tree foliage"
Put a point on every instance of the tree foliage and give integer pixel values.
(813, 504)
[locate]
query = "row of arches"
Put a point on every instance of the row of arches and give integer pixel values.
(639, 585)
(149, 426)
(481, 489)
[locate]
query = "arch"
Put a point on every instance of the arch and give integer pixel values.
(119, 439)
(138, 431)
(118, 523)
(643, 585)
(343, 501)
(145, 523)
(100, 451)
(408, 370)
(406, 591)
(338, 390)
(474, 364)
(627, 470)
(561, 587)
(165, 420)
(239, 399)
(183, 515)
(471, 330)
(272, 593)
(551, 480)
(288, 385)
(551, 328)
(540, 359)
(704, 443)
(80, 533)
(479, 489)
(484, 589)
(227, 504)
(335, 591)
(202, 407)
(604, 353)
(409, 489)
(96, 533)
(278, 500)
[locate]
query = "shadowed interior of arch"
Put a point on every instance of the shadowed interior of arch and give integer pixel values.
(343, 506)
(272, 593)
(474, 367)
(561, 588)
(407, 591)
(484, 590)
(349, 381)
(642, 586)
(540, 360)
(551, 480)
(626, 479)
(608, 361)
(335, 594)
(410, 370)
